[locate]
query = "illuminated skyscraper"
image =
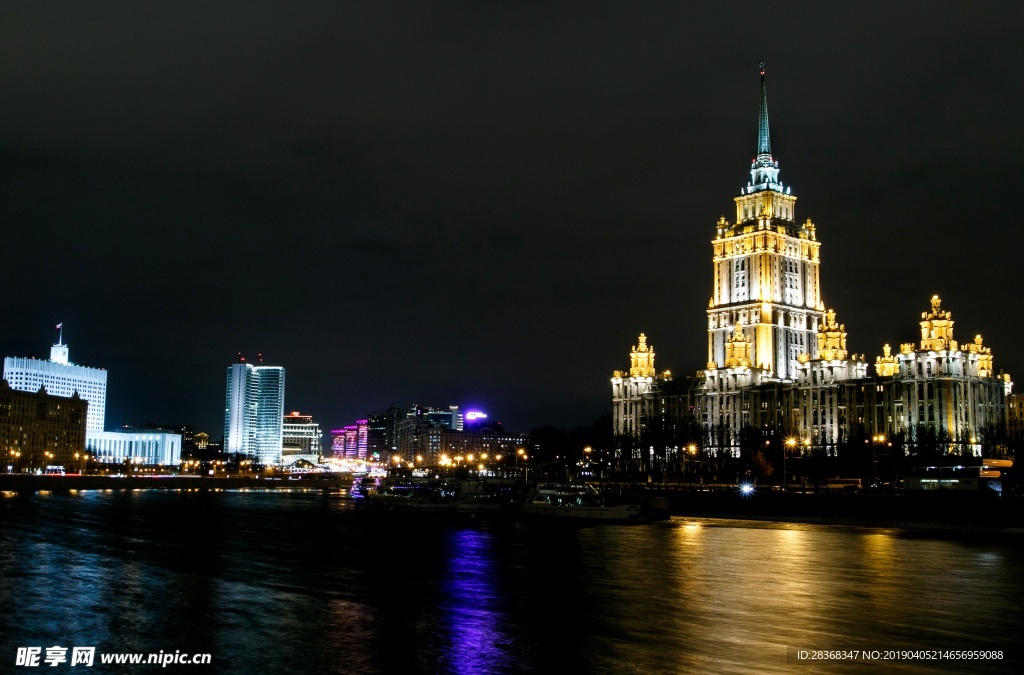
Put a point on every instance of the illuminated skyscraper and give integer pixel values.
(778, 363)
(337, 443)
(351, 450)
(765, 270)
(62, 378)
(254, 412)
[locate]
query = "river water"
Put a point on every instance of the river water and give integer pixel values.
(307, 583)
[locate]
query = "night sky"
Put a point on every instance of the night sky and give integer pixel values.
(483, 204)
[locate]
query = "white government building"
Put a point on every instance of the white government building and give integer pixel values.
(60, 377)
(147, 448)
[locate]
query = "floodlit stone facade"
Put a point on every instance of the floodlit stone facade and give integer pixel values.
(778, 364)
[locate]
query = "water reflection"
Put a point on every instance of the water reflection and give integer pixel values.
(298, 583)
(769, 589)
(471, 618)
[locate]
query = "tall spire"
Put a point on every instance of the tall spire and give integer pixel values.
(763, 145)
(764, 170)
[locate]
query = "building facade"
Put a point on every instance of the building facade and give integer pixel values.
(300, 439)
(38, 430)
(187, 433)
(433, 445)
(153, 447)
(382, 432)
(254, 412)
(419, 418)
(338, 443)
(777, 360)
(60, 377)
(351, 442)
(1015, 416)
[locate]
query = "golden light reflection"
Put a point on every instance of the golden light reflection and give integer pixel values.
(791, 573)
(881, 560)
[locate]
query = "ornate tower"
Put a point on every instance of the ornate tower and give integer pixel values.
(766, 271)
(641, 359)
(632, 406)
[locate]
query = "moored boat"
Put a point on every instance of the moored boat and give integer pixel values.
(578, 501)
(413, 497)
(489, 496)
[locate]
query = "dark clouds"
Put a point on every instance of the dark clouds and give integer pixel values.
(480, 203)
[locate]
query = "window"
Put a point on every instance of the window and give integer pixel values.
(739, 279)
(791, 281)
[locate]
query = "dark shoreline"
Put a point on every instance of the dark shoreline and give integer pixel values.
(935, 513)
(963, 512)
(27, 484)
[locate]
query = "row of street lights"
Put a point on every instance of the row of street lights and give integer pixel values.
(480, 460)
(15, 457)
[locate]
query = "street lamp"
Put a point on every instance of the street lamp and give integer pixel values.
(692, 449)
(790, 443)
(876, 441)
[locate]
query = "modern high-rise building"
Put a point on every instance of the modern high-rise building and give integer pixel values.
(382, 432)
(777, 361)
(419, 418)
(254, 412)
(351, 447)
(338, 443)
(62, 378)
(351, 442)
(300, 438)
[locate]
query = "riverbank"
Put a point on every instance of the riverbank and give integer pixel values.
(936, 511)
(26, 484)
(931, 512)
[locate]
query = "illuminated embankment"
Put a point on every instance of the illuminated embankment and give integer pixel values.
(36, 483)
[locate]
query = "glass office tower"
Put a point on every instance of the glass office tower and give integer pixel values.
(253, 412)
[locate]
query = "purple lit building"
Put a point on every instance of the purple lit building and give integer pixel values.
(337, 443)
(350, 441)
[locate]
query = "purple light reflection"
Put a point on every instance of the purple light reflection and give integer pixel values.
(476, 640)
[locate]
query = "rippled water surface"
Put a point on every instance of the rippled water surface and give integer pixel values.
(307, 583)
